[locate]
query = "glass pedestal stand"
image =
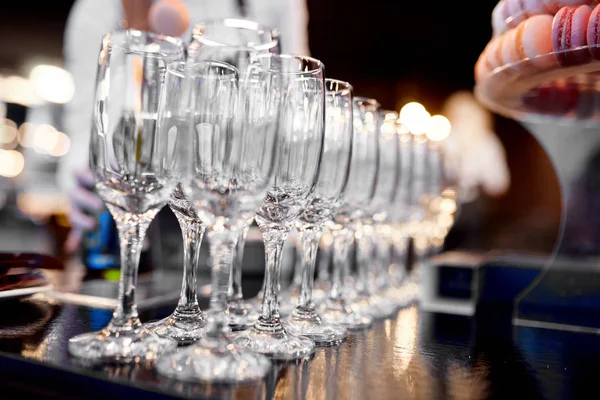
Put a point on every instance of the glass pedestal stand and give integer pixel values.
(561, 107)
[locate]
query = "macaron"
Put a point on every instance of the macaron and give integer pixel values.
(569, 30)
(510, 55)
(493, 53)
(499, 15)
(554, 98)
(533, 39)
(169, 17)
(480, 70)
(516, 12)
(554, 5)
(593, 32)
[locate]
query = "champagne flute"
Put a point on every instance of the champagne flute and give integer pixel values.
(301, 134)
(331, 181)
(357, 198)
(234, 41)
(126, 158)
(367, 298)
(229, 135)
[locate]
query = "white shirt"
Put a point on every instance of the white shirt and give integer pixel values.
(89, 20)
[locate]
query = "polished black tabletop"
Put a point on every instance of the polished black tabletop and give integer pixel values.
(415, 355)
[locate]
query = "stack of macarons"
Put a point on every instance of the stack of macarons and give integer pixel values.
(509, 13)
(569, 27)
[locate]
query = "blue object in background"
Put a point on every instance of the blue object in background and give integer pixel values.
(101, 250)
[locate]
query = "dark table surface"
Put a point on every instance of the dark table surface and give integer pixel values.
(415, 355)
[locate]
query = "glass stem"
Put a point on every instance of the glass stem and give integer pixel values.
(234, 291)
(192, 231)
(132, 230)
(274, 238)
(383, 245)
(324, 261)
(399, 268)
(309, 238)
(298, 264)
(222, 245)
(342, 240)
(364, 247)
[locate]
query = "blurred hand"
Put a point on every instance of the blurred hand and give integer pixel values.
(84, 203)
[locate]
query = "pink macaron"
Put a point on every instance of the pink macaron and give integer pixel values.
(569, 31)
(499, 15)
(481, 69)
(520, 10)
(517, 12)
(533, 40)
(554, 5)
(510, 55)
(593, 32)
(493, 53)
(555, 98)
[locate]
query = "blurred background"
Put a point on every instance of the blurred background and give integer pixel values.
(394, 51)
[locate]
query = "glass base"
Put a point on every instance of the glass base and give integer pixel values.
(339, 313)
(241, 315)
(374, 305)
(402, 296)
(272, 340)
(235, 323)
(285, 307)
(308, 323)
(183, 327)
(120, 345)
(213, 360)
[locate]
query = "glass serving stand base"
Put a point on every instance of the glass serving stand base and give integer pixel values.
(560, 106)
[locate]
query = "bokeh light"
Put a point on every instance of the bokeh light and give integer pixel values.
(47, 140)
(18, 90)
(8, 133)
(415, 117)
(52, 83)
(12, 163)
(439, 128)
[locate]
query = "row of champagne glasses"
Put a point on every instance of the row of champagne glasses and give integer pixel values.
(270, 139)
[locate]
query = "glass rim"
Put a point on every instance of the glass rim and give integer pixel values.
(173, 68)
(115, 39)
(235, 23)
(367, 101)
(394, 114)
(344, 88)
(320, 67)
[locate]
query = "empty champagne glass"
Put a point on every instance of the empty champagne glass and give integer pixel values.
(418, 205)
(331, 181)
(323, 265)
(301, 133)
(356, 200)
(367, 299)
(229, 135)
(394, 241)
(234, 41)
(127, 159)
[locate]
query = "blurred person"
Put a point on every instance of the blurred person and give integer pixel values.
(473, 150)
(89, 20)
(476, 161)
